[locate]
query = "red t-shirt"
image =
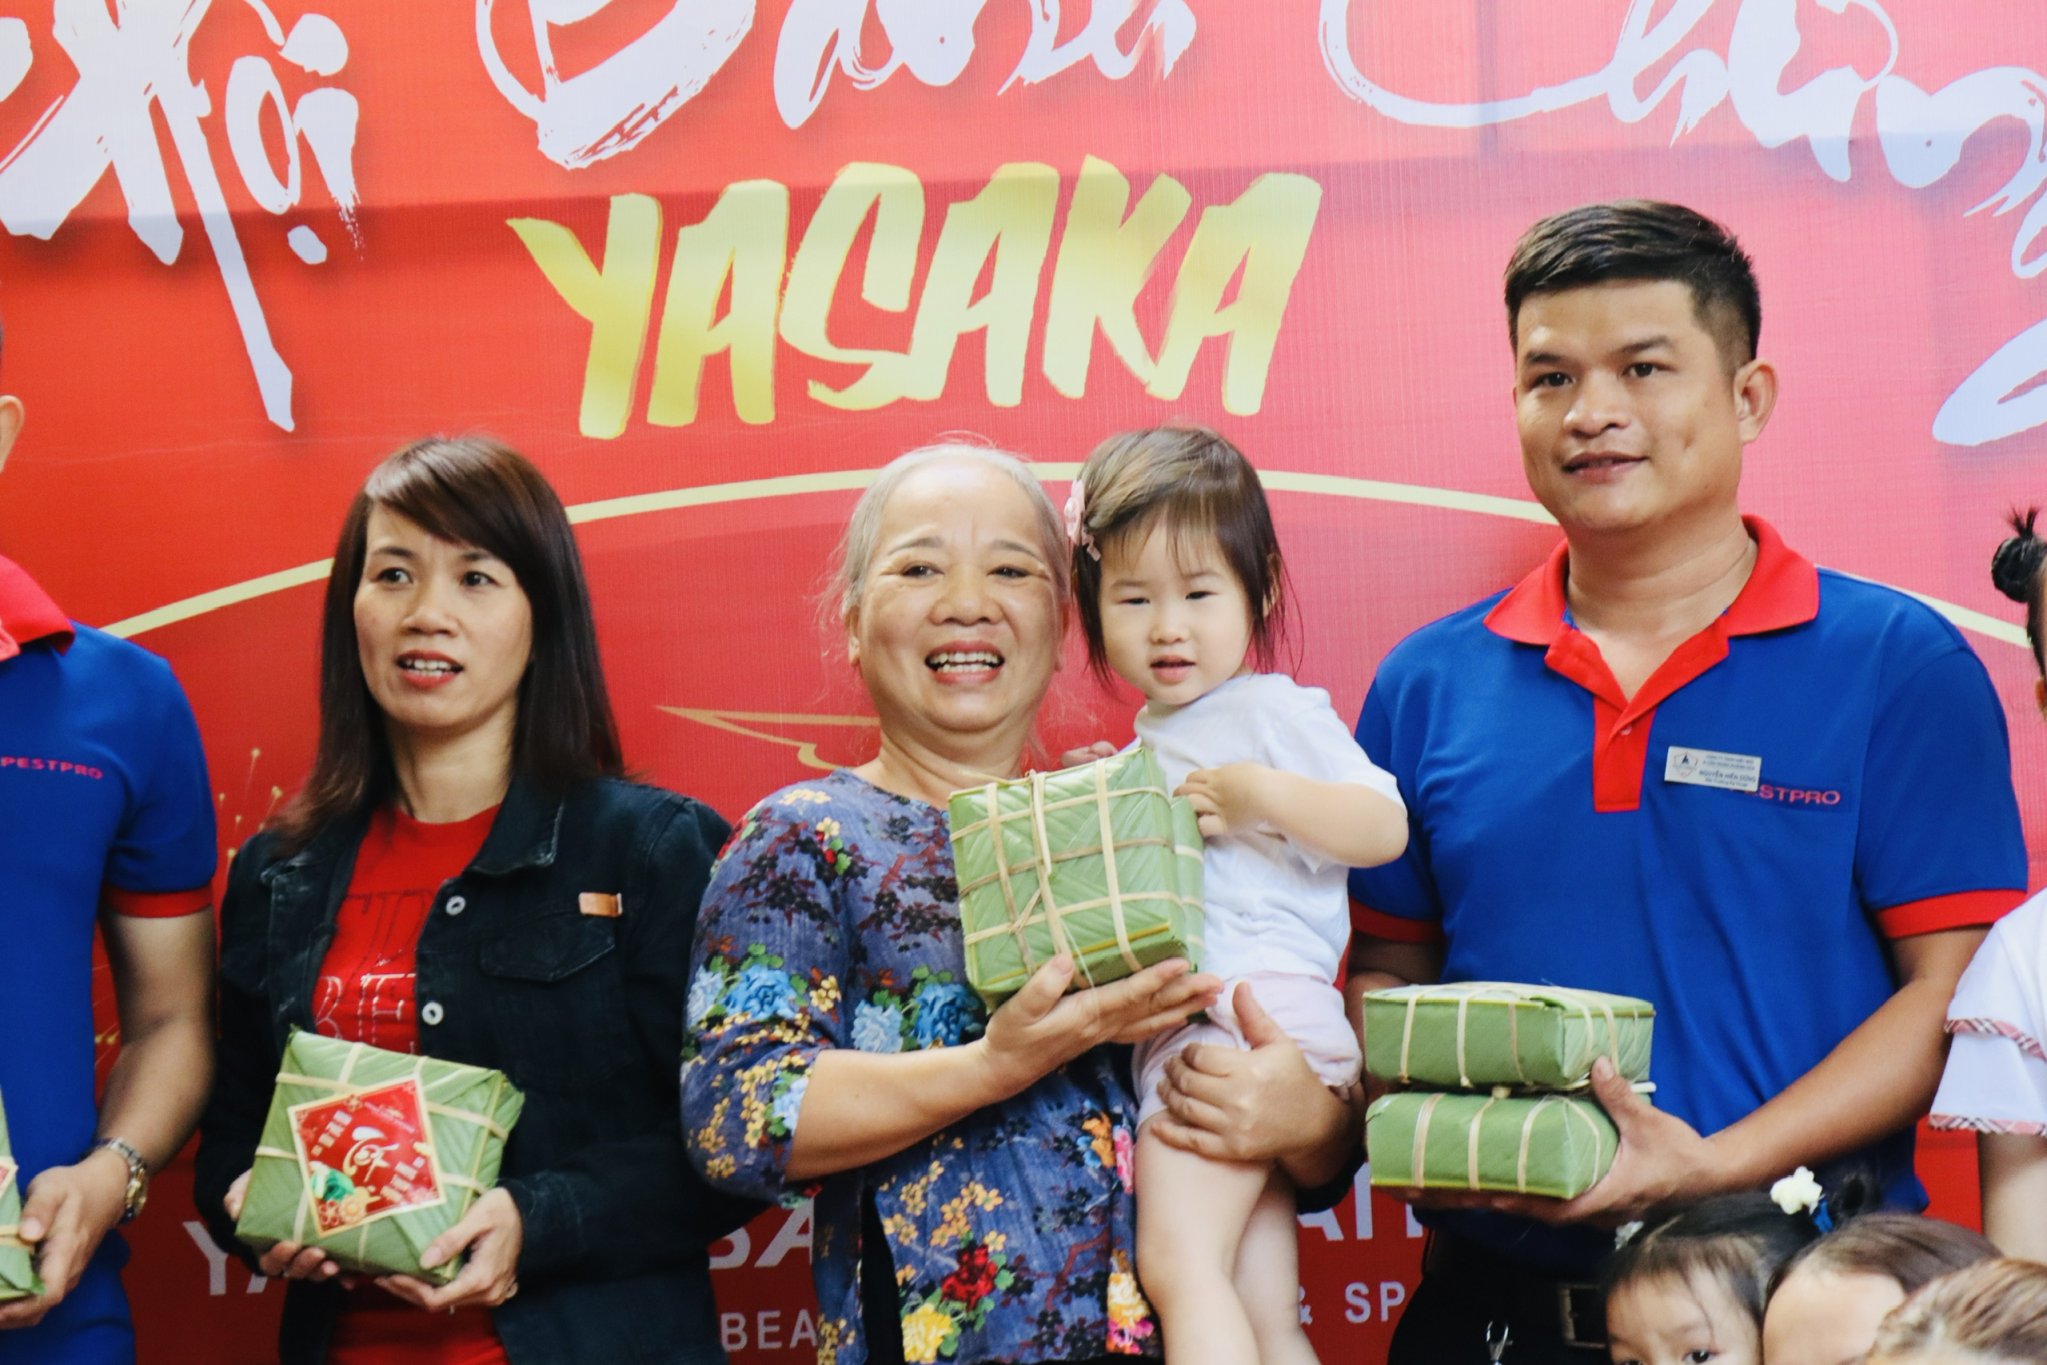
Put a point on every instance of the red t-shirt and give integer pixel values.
(365, 994)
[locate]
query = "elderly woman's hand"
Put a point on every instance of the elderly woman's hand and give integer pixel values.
(1041, 1028)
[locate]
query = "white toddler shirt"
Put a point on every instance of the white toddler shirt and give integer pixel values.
(1996, 1076)
(1273, 906)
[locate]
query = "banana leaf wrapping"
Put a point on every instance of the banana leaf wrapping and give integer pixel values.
(1556, 1145)
(1474, 1035)
(1099, 860)
(370, 1155)
(17, 1259)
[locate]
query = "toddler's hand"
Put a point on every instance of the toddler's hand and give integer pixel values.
(1228, 800)
(1101, 748)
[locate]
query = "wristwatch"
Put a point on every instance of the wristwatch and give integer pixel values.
(137, 1193)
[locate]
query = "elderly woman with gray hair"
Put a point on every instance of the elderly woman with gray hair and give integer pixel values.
(971, 1171)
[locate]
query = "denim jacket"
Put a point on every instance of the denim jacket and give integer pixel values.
(583, 1012)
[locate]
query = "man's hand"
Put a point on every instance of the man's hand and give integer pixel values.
(493, 1233)
(67, 1212)
(1228, 800)
(1261, 1105)
(1662, 1160)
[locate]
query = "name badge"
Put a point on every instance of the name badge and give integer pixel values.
(1708, 768)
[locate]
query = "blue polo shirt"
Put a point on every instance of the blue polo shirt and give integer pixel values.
(104, 802)
(1820, 770)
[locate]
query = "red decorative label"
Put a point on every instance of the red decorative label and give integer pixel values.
(7, 1170)
(366, 1155)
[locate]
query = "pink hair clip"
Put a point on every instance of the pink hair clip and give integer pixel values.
(1076, 521)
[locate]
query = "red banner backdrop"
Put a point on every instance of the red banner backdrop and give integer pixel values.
(711, 262)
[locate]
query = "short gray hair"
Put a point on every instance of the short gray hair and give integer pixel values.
(863, 528)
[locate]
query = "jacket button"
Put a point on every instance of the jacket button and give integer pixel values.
(430, 1013)
(456, 905)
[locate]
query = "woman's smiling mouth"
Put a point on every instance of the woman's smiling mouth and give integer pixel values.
(427, 670)
(960, 662)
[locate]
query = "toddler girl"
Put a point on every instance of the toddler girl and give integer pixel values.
(1826, 1302)
(1692, 1287)
(1992, 1313)
(1996, 1079)
(1180, 588)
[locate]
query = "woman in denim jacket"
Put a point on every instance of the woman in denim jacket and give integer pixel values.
(466, 875)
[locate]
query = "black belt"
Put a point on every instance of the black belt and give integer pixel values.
(1569, 1311)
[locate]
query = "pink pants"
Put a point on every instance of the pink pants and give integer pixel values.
(1308, 1010)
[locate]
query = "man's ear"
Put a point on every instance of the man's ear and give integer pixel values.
(11, 414)
(2040, 694)
(1755, 398)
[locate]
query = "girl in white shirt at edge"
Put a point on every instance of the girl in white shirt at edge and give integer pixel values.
(1996, 1079)
(1181, 590)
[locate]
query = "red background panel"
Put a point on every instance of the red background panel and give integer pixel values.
(150, 476)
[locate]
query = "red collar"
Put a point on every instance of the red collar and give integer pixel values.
(27, 614)
(1783, 590)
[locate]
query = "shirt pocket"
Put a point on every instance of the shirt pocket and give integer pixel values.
(558, 1000)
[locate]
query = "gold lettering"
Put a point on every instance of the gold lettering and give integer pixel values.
(1104, 262)
(726, 294)
(895, 197)
(1265, 234)
(744, 238)
(617, 300)
(1010, 220)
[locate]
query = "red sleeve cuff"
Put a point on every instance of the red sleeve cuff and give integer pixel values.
(1958, 910)
(158, 904)
(1378, 924)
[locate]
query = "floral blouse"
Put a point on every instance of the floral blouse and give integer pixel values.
(831, 921)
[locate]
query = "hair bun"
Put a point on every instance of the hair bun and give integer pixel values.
(2015, 568)
(1858, 1191)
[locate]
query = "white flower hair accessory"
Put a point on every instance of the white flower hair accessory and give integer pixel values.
(1626, 1233)
(1076, 521)
(1798, 1192)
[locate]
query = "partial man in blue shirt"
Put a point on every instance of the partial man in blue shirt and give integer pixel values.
(106, 820)
(1678, 761)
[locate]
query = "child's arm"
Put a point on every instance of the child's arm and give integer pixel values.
(2014, 1174)
(1345, 822)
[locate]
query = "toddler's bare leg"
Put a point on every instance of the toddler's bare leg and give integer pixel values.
(1191, 1214)
(1268, 1277)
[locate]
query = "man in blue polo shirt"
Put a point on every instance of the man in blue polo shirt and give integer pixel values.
(105, 818)
(1677, 761)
